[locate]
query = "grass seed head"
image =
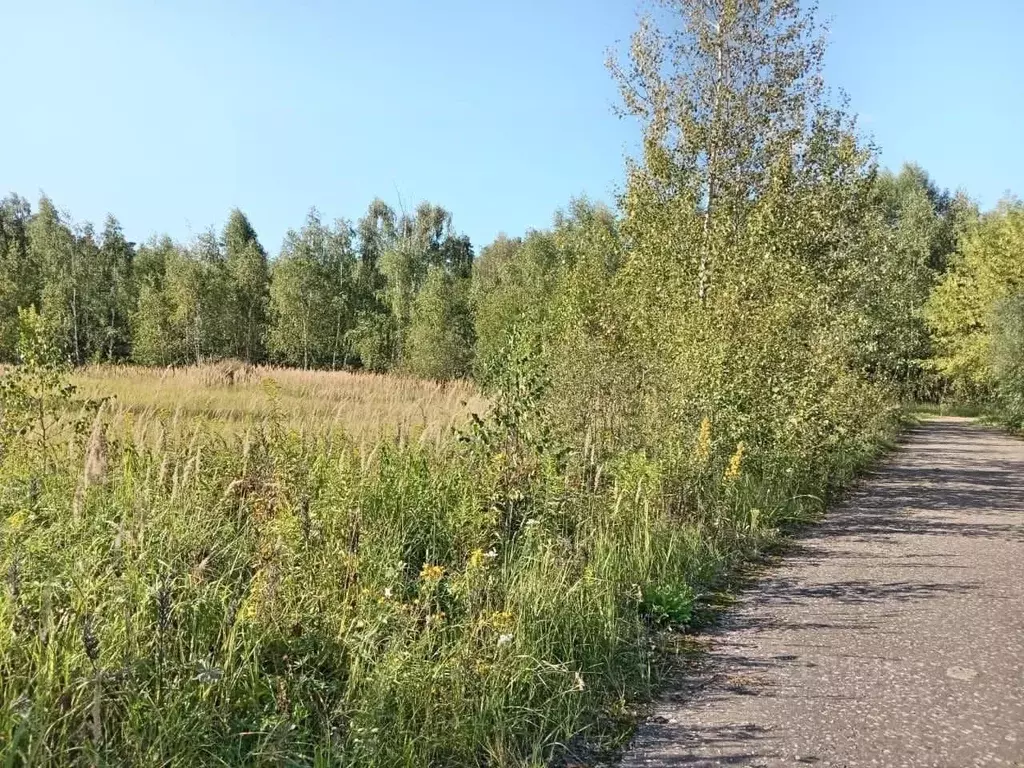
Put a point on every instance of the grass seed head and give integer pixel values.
(95, 472)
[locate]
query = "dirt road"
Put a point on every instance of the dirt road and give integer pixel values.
(892, 635)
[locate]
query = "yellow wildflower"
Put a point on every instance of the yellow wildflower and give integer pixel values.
(500, 620)
(16, 520)
(476, 558)
(704, 440)
(736, 462)
(254, 604)
(432, 572)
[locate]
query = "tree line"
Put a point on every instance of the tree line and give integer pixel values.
(398, 291)
(388, 292)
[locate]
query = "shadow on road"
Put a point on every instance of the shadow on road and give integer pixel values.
(942, 483)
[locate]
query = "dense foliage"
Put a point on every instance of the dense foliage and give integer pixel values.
(400, 293)
(336, 296)
(975, 314)
(670, 383)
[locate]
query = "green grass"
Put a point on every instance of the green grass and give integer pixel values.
(949, 409)
(182, 596)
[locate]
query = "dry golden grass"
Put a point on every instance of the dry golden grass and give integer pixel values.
(230, 394)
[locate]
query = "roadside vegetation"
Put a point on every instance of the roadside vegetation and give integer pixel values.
(238, 564)
(977, 315)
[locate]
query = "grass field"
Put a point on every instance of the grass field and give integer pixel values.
(289, 594)
(229, 395)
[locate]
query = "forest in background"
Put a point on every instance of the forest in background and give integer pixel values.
(407, 293)
(672, 384)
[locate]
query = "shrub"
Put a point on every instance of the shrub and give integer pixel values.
(1008, 360)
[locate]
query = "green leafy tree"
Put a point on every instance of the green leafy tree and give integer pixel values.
(520, 284)
(339, 264)
(914, 228)
(150, 263)
(375, 231)
(724, 93)
(395, 255)
(497, 301)
(155, 340)
(115, 292)
(986, 270)
(440, 339)
(1008, 359)
(185, 294)
(198, 289)
(37, 407)
(424, 241)
(249, 277)
(404, 264)
(374, 334)
(20, 271)
(68, 258)
(297, 297)
(404, 269)
(729, 293)
(314, 295)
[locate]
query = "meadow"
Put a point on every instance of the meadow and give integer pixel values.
(181, 593)
(230, 394)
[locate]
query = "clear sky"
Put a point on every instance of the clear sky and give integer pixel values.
(169, 113)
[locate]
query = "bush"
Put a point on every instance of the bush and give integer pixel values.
(440, 341)
(1008, 360)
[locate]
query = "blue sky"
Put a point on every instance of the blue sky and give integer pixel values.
(170, 113)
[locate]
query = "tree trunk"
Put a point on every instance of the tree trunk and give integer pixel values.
(704, 271)
(74, 321)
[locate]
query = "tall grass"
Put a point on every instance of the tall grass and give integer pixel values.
(180, 595)
(228, 394)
